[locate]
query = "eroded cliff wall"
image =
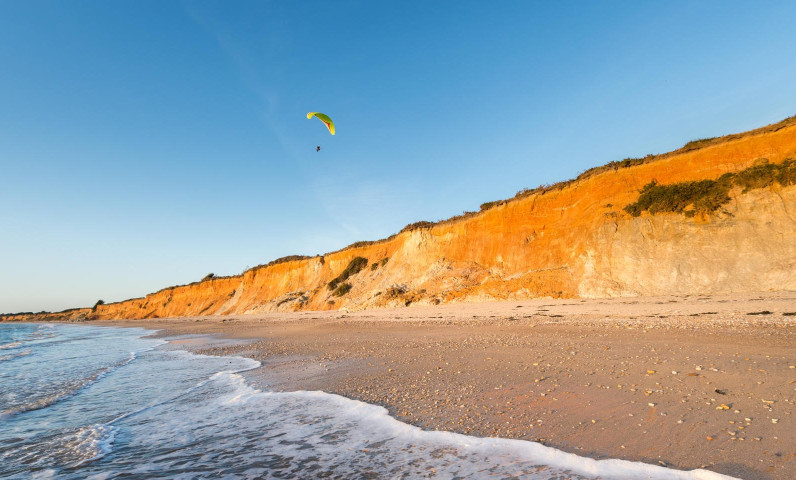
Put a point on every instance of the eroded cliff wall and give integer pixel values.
(574, 241)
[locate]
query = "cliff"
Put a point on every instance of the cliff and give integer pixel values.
(574, 239)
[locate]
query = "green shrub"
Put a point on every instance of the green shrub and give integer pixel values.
(380, 263)
(704, 195)
(342, 290)
(417, 226)
(696, 144)
(765, 174)
(488, 205)
(354, 267)
(707, 196)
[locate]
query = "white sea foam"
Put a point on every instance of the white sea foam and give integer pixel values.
(92, 443)
(43, 474)
(380, 423)
(72, 449)
(318, 432)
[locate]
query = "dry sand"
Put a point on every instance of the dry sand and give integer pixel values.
(685, 382)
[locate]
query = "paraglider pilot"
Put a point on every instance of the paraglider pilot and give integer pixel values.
(318, 148)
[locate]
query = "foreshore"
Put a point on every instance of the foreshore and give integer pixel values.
(684, 382)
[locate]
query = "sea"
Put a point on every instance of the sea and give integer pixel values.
(88, 402)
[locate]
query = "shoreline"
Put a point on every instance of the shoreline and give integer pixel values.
(683, 382)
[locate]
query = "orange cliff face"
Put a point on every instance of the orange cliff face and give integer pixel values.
(574, 241)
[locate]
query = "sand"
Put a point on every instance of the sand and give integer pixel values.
(684, 382)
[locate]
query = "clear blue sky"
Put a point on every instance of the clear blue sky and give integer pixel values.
(147, 143)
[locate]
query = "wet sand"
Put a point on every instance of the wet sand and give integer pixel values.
(685, 382)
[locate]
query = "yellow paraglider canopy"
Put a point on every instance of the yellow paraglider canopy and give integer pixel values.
(325, 119)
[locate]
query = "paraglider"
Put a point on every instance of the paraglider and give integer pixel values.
(326, 121)
(324, 118)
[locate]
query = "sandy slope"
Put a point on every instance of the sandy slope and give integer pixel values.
(685, 382)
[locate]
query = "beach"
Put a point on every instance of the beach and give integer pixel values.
(684, 382)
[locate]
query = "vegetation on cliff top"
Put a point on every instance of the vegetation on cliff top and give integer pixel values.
(707, 196)
(289, 258)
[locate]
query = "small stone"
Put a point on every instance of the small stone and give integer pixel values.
(774, 420)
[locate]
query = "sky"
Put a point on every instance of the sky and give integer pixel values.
(145, 144)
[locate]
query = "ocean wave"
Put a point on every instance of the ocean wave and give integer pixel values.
(247, 364)
(92, 443)
(66, 391)
(70, 449)
(41, 332)
(12, 356)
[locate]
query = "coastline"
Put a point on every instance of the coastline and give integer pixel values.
(665, 380)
